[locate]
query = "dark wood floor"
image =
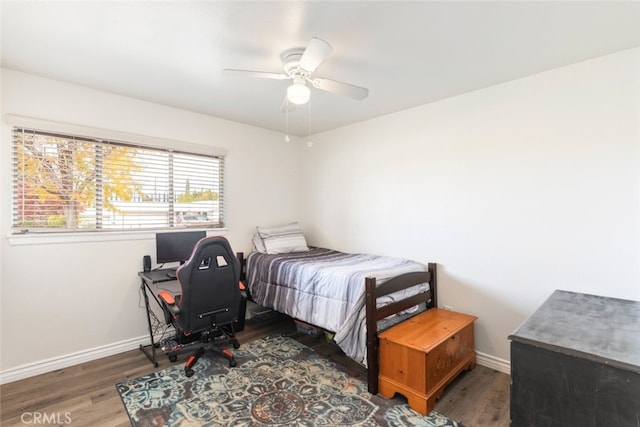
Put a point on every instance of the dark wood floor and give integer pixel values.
(86, 395)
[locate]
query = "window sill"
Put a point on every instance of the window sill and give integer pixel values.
(89, 237)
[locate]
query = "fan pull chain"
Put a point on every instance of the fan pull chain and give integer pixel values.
(310, 142)
(286, 137)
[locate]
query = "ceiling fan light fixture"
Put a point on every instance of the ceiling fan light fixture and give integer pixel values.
(298, 93)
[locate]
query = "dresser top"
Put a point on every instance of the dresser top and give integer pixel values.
(602, 329)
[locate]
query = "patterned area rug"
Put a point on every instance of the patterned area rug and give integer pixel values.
(277, 381)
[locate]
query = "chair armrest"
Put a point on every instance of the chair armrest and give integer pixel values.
(167, 297)
(169, 302)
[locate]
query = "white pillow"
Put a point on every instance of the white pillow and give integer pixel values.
(284, 239)
(258, 243)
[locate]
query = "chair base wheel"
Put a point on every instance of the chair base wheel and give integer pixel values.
(173, 359)
(188, 372)
(232, 363)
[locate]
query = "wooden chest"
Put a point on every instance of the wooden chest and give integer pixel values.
(421, 355)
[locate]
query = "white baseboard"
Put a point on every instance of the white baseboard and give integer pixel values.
(493, 362)
(48, 365)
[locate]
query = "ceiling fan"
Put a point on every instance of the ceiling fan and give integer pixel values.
(298, 65)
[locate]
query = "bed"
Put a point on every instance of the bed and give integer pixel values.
(353, 296)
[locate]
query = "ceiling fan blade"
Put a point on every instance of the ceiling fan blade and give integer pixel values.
(341, 88)
(259, 74)
(315, 53)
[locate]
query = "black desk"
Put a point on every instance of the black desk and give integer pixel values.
(157, 276)
(153, 282)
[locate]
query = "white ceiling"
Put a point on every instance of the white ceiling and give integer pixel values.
(406, 53)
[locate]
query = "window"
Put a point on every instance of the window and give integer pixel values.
(71, 183)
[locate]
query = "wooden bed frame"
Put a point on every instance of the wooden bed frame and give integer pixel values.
(374, 314)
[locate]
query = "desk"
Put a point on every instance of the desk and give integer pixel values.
(153, 282)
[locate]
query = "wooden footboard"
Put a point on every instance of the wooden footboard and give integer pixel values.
(375, 314)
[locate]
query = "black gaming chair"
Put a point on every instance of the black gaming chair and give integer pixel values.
(209, 305)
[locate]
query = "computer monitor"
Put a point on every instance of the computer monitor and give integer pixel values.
(176, 246)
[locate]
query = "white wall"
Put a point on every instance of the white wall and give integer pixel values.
(515, 190)
(70, 297)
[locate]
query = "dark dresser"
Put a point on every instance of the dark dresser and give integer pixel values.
(576, 362)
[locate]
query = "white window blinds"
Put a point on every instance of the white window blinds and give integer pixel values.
(73, 183)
